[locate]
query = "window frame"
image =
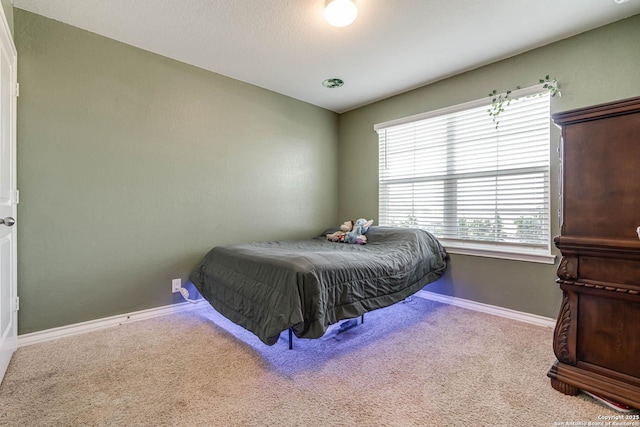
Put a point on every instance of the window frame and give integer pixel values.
(489, 249)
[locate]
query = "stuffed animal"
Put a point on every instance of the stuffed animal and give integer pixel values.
(352, 232)
(357, 234)
(338, 236)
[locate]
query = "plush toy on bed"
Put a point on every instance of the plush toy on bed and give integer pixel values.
(352, 232)
(357, 234)
(338, 236)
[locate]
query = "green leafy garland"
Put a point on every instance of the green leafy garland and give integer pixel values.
(502, 100)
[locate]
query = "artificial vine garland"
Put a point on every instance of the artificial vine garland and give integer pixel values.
(502, 100)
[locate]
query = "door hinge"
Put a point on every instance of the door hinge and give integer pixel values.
(16, 304)
(17, 196)
(17, 89)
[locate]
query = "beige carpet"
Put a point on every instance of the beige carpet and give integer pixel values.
(418, 363)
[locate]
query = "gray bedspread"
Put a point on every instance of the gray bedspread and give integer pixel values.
(308, 285)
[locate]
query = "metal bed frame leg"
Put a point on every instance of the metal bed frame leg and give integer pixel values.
(291, 332)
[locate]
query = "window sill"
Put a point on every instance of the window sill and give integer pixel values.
(497, 252)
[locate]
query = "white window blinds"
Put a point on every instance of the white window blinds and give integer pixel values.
(458, 176)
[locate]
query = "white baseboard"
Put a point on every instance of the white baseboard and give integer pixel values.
(106, 322)
(490, 309)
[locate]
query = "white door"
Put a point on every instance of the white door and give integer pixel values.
(8, 197)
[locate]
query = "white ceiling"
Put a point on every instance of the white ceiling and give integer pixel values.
(287, 47)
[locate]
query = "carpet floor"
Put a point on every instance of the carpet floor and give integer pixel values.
(417, 363)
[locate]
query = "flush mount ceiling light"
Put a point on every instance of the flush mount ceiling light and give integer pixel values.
(332, 83)
(340, 13)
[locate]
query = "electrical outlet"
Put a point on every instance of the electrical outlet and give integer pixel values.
(176, 284)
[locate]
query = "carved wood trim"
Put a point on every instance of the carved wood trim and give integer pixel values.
(564, 388)
(611, 287)
(597, 112)
(562, 333)
(568, 268)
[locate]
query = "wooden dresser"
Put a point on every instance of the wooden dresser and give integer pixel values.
(597, 334)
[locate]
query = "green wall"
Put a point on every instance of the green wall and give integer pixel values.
(594, 67)
(131, 166)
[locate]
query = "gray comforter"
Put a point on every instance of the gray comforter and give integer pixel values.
(308, 285)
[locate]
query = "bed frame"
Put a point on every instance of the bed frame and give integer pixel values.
(342, 329)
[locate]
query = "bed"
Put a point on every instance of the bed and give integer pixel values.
(305, 286)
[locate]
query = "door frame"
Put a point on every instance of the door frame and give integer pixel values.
(9, 337)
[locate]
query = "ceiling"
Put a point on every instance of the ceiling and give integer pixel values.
(287, 47)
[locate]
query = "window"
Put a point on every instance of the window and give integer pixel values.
(481, 190)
